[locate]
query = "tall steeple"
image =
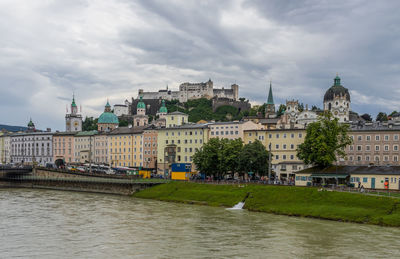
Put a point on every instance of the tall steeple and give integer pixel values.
(74, 108)
(270, 96)
(270, 106)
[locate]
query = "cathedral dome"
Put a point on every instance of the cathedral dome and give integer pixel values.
(108, 118)
(336, 90)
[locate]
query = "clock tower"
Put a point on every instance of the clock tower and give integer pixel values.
(73, 120)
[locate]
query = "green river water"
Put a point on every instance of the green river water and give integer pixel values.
(58, 224)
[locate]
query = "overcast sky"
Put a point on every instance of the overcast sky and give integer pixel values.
(111, 48)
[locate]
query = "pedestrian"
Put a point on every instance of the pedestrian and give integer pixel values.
(359, 184)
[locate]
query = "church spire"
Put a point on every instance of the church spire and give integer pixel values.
(270, 96)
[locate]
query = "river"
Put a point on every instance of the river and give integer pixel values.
(57, 224)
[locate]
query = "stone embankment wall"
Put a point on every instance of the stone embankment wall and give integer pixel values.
(60, 180)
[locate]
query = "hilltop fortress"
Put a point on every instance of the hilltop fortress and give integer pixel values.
(191, 91)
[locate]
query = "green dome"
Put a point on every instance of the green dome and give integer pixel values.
(141, 104)
(163, 109)
(108, 117)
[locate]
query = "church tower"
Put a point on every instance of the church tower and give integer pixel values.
(140, 119)
(73, 120)
(270, 107)
(337, 101)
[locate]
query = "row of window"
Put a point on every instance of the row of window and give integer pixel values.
(226, 133)
(377, 148)
(376, 158)
(224, 127)
(190, 133)
(190, 141)
(284, 157)
(278, 135)
(377, 137)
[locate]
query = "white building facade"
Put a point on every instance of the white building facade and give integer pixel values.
(32, 147)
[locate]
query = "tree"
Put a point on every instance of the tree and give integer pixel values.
(89, 124)
(314, 108)
(301, 107)
(382, 116)
(123, 123)
(366, 117)
(325, 141)
(218, 157)
(281, 110)
(393, 113)
(254, 158)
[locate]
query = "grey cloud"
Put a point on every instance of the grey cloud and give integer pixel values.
(110, 49)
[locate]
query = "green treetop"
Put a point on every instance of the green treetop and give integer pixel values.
(325, 141)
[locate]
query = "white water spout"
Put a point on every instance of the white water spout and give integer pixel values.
(238, 206)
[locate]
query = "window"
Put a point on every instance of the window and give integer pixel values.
(386, 137)
(300, 135)
(367, 158)
(291, 146)
(358, 158)
(365, 179)
(377, 138)
(277, 135)
(386, 147)
(395, 147)
(396, 137)
(359, 148)
(276, 157)
(368, 138)
(284, 146)
(351, 148)
(292, 135)
(367, 147)
(284, 135)
(277, 146)
(386, 158)
(291, 157)
(283, 156)
(376, 148)
(359, 138)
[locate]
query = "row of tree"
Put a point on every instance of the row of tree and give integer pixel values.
(219, 157)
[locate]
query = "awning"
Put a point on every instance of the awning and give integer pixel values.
(342, 176)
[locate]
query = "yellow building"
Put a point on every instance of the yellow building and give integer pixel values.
(175, 119)
(178, 145)
(84, 146)
(283, 144)
(126, 147)
(101, 148)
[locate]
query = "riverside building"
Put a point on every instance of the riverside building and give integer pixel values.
(179, 144)
(231, 129)
(126, 147)
(63, 147)
(85, 146)
(283, 145)
(374, 143)
(32, 147)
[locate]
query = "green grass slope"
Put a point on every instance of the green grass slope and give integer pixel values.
(294, 201)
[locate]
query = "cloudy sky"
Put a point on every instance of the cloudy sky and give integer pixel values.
(111, 48)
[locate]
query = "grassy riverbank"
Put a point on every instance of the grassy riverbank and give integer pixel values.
(294, 201)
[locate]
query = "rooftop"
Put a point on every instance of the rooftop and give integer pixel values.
(382, 170)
